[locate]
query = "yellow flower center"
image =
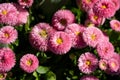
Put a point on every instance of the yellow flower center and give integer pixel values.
(104, 6)
(6, 35)
(95, 17)
(43, 33)
(113, 64)
(116, 25)
(93, 37)
(90, 24)
(77, 33)
(59, 41)
(103, 65)
(29, 62)
(88, 63)
(88, 1)
(4, 12)
(1, 76)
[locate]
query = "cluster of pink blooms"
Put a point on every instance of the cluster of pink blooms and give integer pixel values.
(59, 37)
(13, 14)
(100, 10)
(64, 34)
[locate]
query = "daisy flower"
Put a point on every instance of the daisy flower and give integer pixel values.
(105, 50)
(104, 8)
(39, 36)
(8, 34)
(103, 64)
(75, 31)
(92, 36)
(62, 18)
(97, 20)
(117, 4)
(87, 63)
(115, 25)
(8, 14)
(29, 63)
(86, 5)
(7, 59)
(3, 76)
(60, 43)
(114, 65)
(23, 14)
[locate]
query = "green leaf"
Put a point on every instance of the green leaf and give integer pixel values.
(42, 69)
(50, 76)
(35, 75)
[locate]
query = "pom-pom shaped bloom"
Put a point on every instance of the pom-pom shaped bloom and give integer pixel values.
(8, 14)
(87, 63)
(92, 36)
(117, 4)
(62, 18)
(39, 36)
(113, 63)
(7, 59)
(104, 8)
(3, 76)
(105, 50)
(115, 25)
(97, 20)
(8, 34)
(89, 77)
(29, 63)
(75, 31)
(22, 15)
(103, 64)
(25, 3)
(86, 5)
(60, 43)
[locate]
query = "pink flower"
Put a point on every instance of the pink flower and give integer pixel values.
(115, 25)
(7, 59)
(104, 8)
(75, 31)
(39, 36)
(105, 50)
(8, 14)
(103, 64)
(25, 3)
(62, 18)
(92, 36)
(3, 76)
(22, 16)
(114, 65)
(60, 43)
(87, 63)
(86, 4)
(97, 20)
(29, 63)
(89, 77)
(8, 34)
(117, 4)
